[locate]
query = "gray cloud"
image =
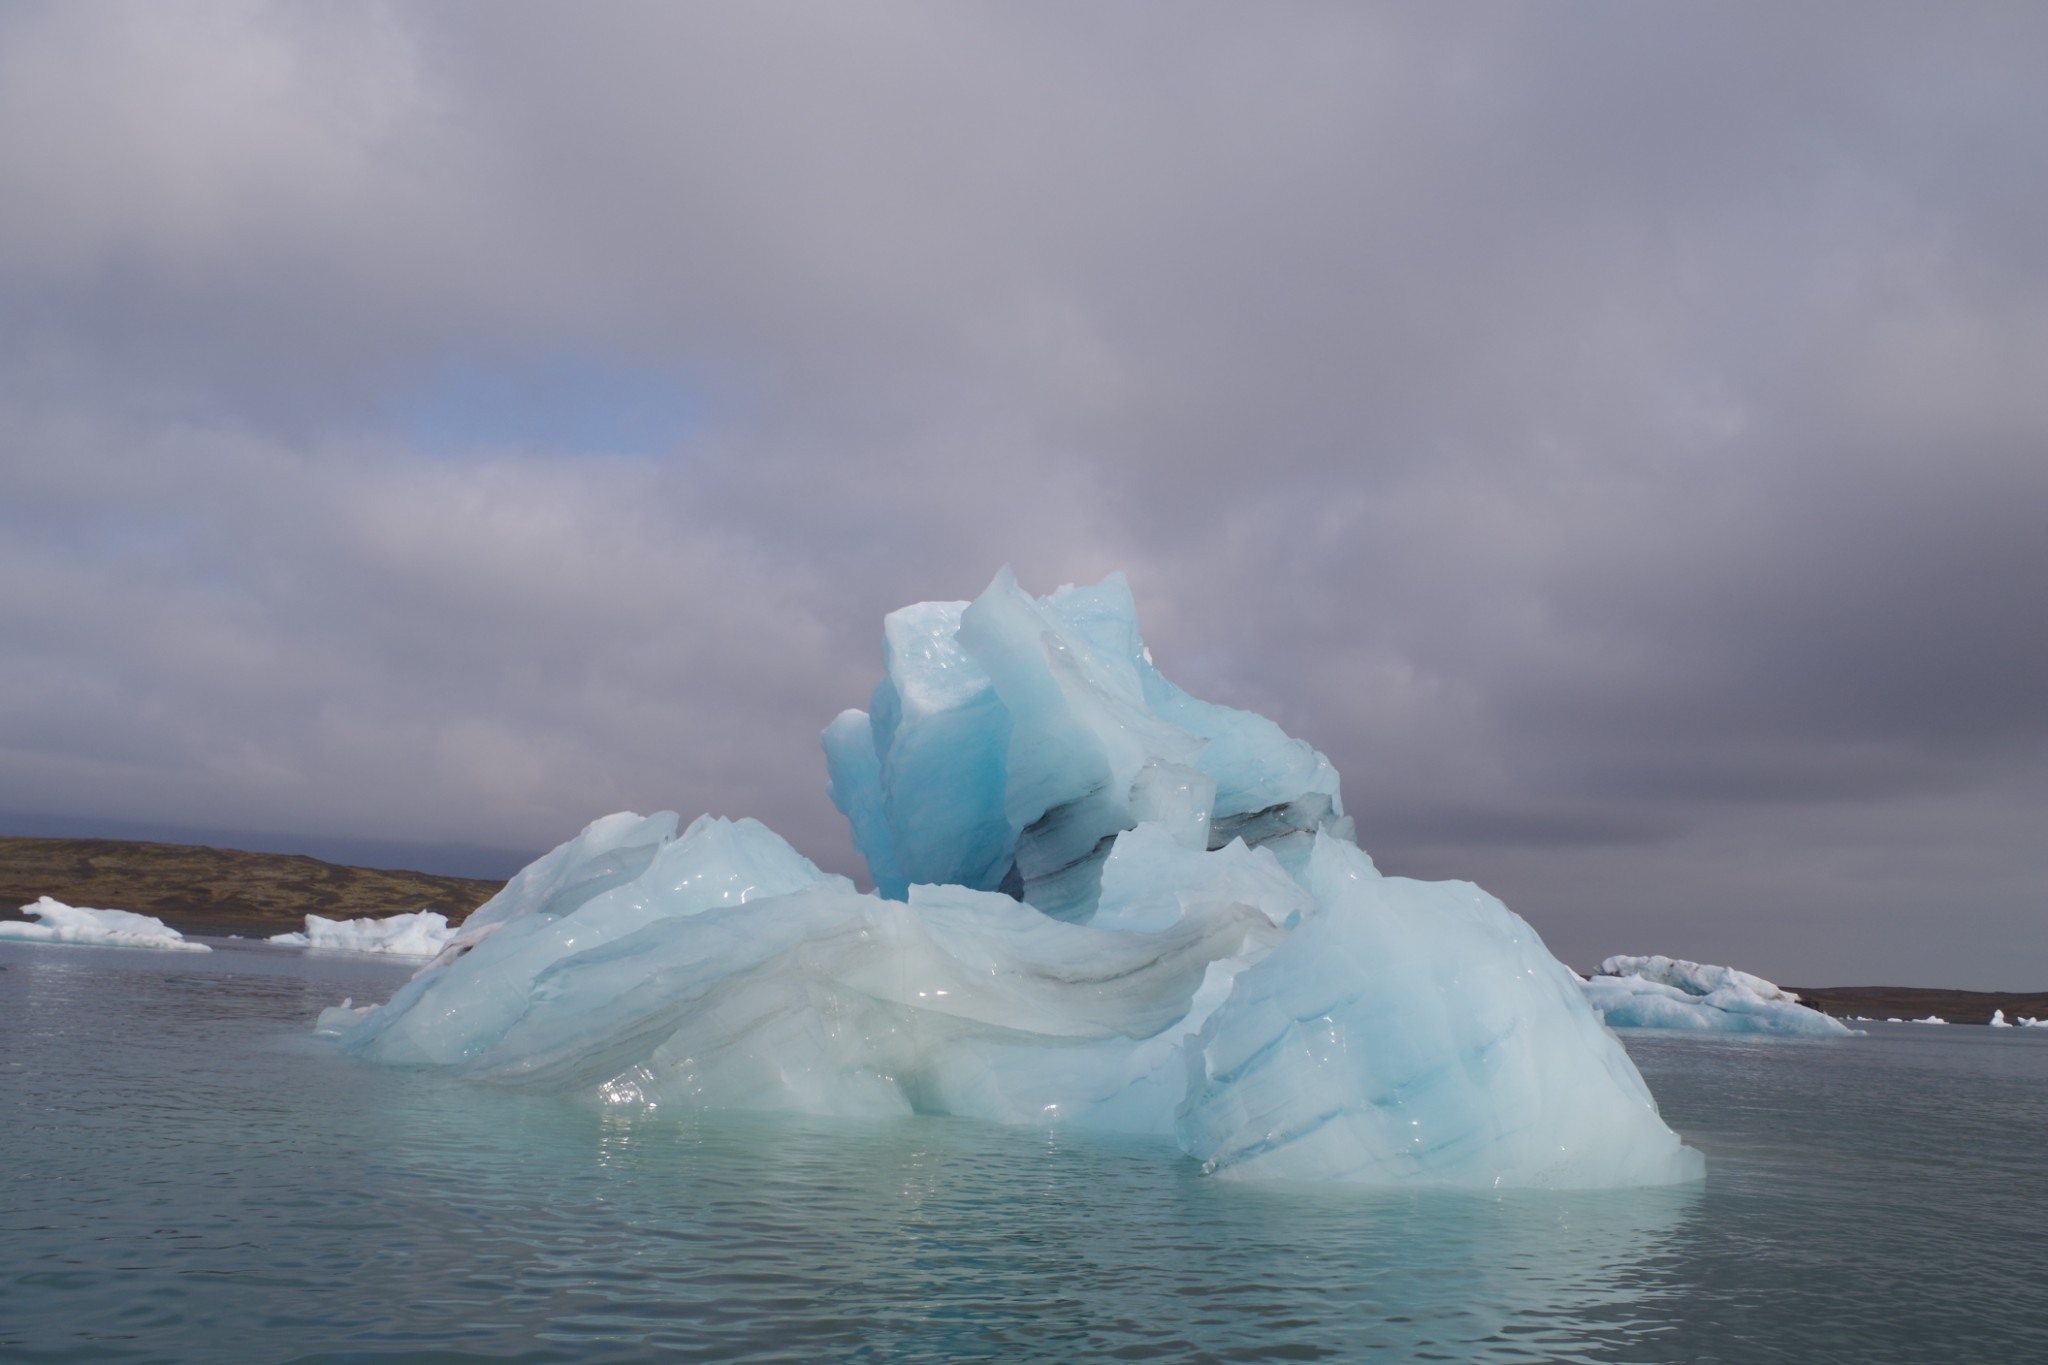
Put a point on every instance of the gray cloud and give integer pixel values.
(1614, 434)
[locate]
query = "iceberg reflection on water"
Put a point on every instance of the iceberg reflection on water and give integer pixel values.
(1100, 901)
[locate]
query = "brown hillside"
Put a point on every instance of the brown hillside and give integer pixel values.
(1915, 1002)
(199, 890)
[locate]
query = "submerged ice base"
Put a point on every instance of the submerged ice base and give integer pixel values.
(1100, 901)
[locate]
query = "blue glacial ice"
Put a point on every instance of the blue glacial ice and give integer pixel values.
(1100, 902)
(1664, 992)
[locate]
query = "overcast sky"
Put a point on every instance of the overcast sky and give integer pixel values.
(1616, 434)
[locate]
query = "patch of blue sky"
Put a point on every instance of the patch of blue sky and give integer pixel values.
(565, 403)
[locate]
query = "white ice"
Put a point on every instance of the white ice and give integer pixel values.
(1998, 1019)
(1930, 1019)
(1099, 902)
(61, 923)
(1671, 993)
(336, 1020)
(423, 933)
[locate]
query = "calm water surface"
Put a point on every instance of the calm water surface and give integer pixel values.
(190, 1177)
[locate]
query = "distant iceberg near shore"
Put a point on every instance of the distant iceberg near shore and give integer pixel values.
(61, 923)
(1664, 992)
(422, 933)
(1100, 901)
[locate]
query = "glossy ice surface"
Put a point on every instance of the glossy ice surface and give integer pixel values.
(1102, 903)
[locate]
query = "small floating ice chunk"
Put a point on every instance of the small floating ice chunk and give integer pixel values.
(423, 933)
(1671, 993)
(2028, 1021)
(63, 923)
(336, 1020)
(1998, 1019)
(1930, 1019)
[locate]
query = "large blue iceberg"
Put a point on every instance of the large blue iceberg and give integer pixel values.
(1100, 902)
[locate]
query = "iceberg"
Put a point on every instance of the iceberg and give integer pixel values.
(1671, 993)
(422, 933)
(61, 923)
(1099, 901)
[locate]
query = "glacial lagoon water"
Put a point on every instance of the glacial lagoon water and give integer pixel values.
(190, 1176)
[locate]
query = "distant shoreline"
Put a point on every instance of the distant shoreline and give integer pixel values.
(197, 889)
(217, 891)
(1914, 1002)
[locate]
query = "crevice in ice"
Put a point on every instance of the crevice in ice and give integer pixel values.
(1301, 816)
(1273, 1142)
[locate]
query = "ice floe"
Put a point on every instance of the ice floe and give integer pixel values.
(61, 923)
(1671, 993)
(422, 933)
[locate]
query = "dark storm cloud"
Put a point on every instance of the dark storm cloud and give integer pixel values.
(1615, 434)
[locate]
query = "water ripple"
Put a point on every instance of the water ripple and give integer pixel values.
(190, 1178)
